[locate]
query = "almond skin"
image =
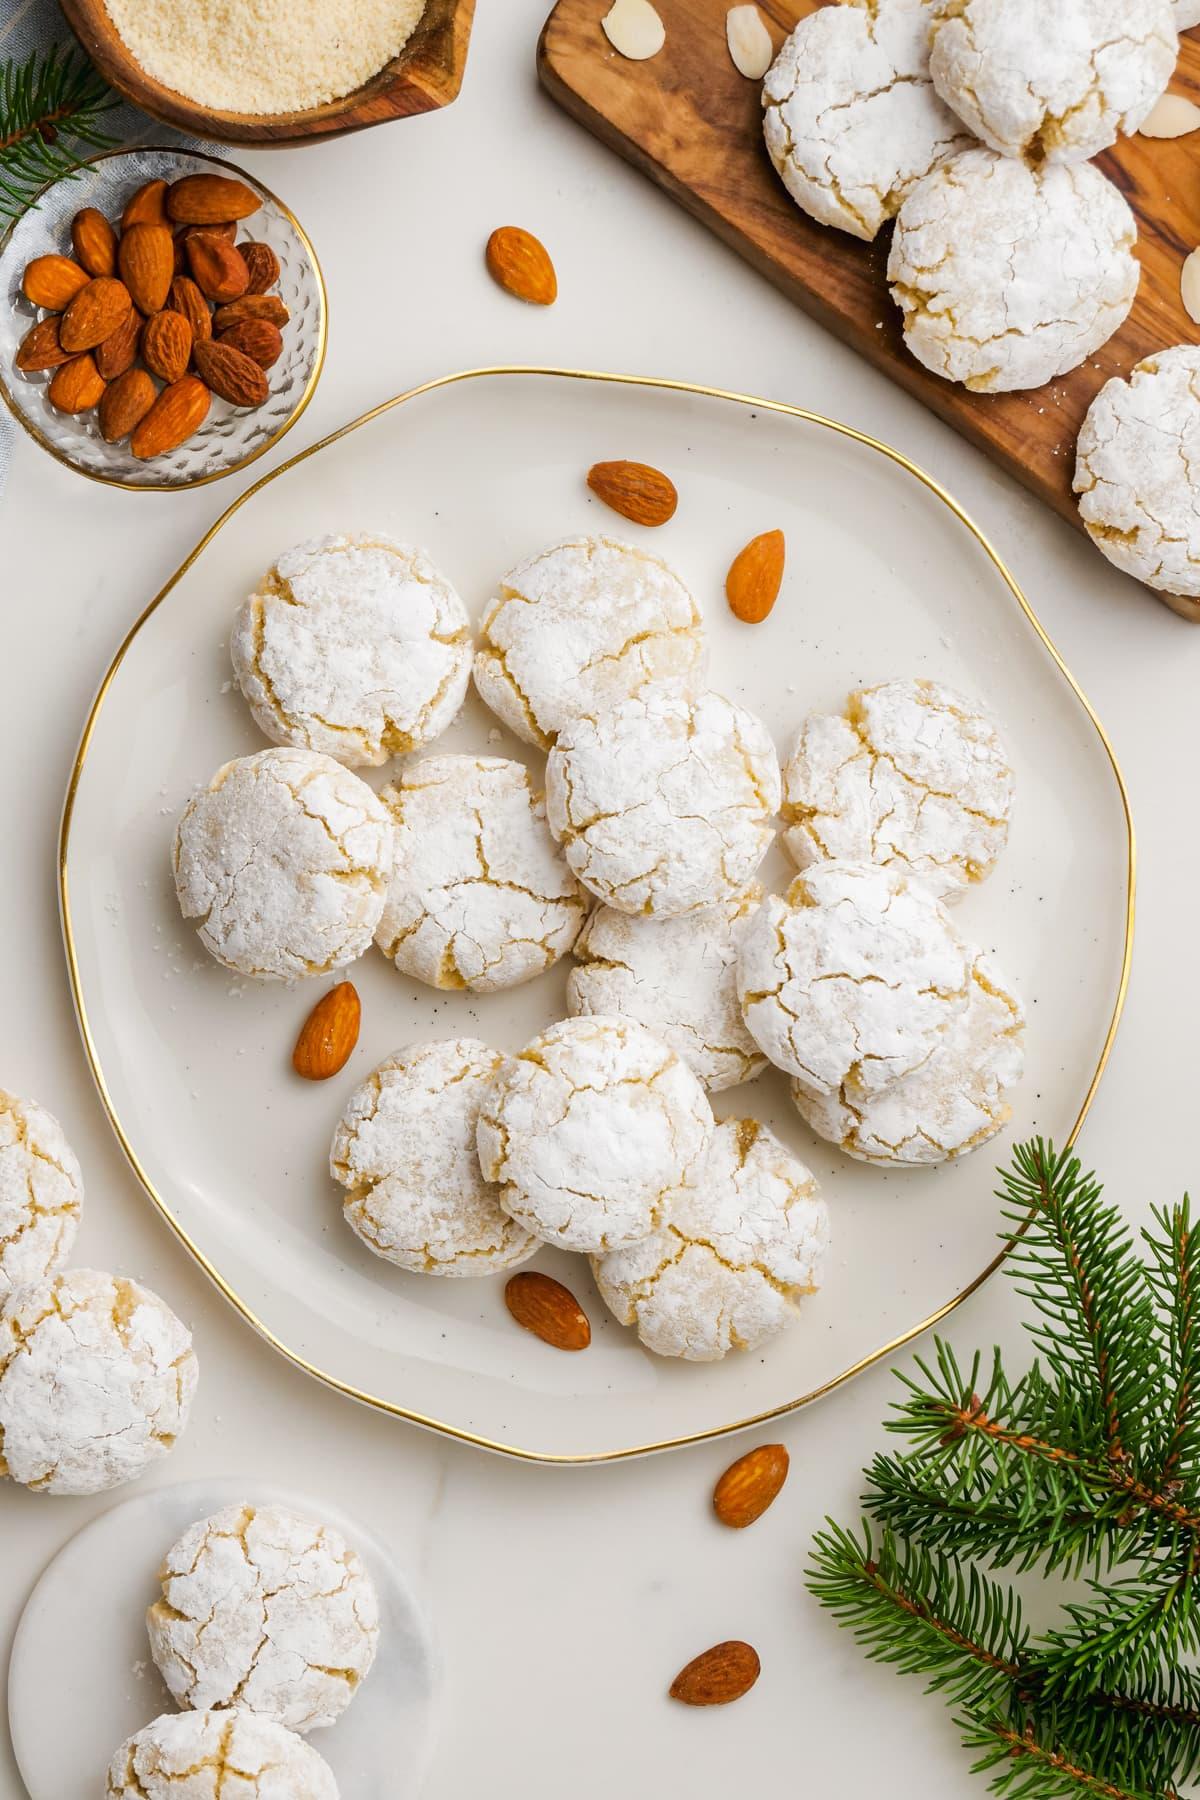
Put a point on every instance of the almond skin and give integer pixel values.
(252, 306)
(40, 348)
(146, 205)
(263, 265)
(97, 310)
(116, 353)
(94, 241)
(185, 297)
(329, 1034)
(77, 386)
(217, 267)
(749, 1485)
(53, 282)
(635, 490)
(548, 1309)
(146, 259)
(210, 200)
(520, 264)
(755, 577)
(257, 339)
(167, 345)
(231, 374)
(717, 1676)
(125, 404)
(179, 410)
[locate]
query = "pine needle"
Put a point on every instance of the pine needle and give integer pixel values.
(49, 107)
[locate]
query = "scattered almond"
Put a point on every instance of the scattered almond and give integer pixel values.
(1172, 117)
(749, 1485)
(1189, 286)
(167, 345)
(263, 265)
(179, 410)
(185, 297)
(146, 259)
(251, 306)
(117, 352)
(95, 313)
(634, 29)
(719, 1675)
(258, 339)
(230, 373)
(749, 41)
(40, 348)
(217, 267)
(755, 577)
(210, 200)
(77, 386)
(53, 282)
(94, 241)
(520, 264)
(548, 1309)
(147, 205)
(125, 404)
(635, 490)
(329, 1034)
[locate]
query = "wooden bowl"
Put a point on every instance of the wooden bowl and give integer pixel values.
(427, 74)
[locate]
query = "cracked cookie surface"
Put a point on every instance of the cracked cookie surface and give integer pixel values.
(956, 1100)
(265, 1609)
(284, 860)
(96, 1379)
(1054, 93)
(1137, 471)
(233, 1755)
(480, 896)
(678, 978)
(594, 1132)
(1008, 276)
(579, 627)
(730, 1267)
(41, 1192)
(850, 980)
(405, 1150)
(851, 118)
(910, 775)
(664, 804)
(354, 646)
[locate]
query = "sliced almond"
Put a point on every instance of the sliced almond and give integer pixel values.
(634, 29)
(1189, 286)
(1173, 116)
(749, 41)
(749, 1485)
(548, 1309)
(717, 1676)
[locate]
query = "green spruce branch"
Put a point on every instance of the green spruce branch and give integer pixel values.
(49, 107)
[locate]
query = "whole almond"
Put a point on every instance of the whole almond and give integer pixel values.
(217, 267)
(749, 1485)
(77, 386)
(755, 577)
(117, 352)
(40, 348)
(146, 205)
(210, 200)
(520, 264)
(185, 297)
(717, 1676)
(125, 404)
(167, 345)
(179, 410)
(252, 306)
(94, 241)
(231, 374)
(261, 341)
(53, 282)
(263, 265)
(329, 1034)
(97, 310)
(635, 490)
(548, 1309)
(146, 259)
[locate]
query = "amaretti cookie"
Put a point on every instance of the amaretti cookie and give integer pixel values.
(284, 860)
(354, 646)
(851, 118)
(738, 1253)
(96, 1379)
(1009, 275)
(41, 1192)
(405, 1151)
(954, 1102)
(480, 895)
(1137, 471)
(594, 1133)
(579, 627)
(910, 775)
(268, 1610)
(664, 804)
(678, 978)
(1055, 87)
(234, 1755)
(851, 979)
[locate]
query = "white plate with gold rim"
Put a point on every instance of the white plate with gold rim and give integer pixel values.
(885, 577)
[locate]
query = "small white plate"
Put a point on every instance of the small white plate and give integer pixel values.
(885, 578)
(83, 1634)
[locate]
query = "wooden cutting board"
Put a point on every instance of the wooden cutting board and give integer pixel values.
(691, 122)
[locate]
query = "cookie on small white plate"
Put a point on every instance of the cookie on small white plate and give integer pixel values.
(910, 775)
(1008, 275)
(480, 895)
(266, 1609)
(354, 646)
(851, 118)
(405, 1153)
(579, 627)
(736, 1257)
(1053, 88)
(678, 978)
(594, 1132)
(284, 860)
(197, 1755)
(41, 1192)
(664, 804)
(1137, 471)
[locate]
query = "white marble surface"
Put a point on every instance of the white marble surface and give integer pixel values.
(564, 1601)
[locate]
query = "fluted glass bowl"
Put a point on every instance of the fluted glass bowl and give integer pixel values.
(230, 437)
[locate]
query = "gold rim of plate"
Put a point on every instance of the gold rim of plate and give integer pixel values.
(310, 386)
(787, 1407)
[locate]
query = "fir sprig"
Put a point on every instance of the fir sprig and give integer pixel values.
(1087, 1465)
(49, 107)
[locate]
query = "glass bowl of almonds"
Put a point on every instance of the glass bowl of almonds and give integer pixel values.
(162, 319)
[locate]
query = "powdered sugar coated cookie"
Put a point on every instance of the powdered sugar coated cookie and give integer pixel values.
(41, 1192)
(234, 1755)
